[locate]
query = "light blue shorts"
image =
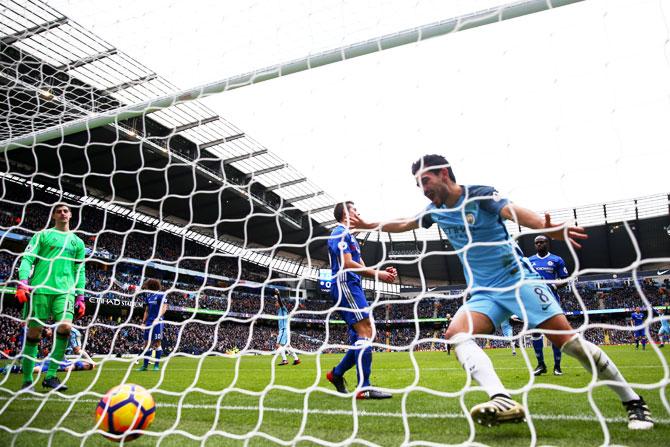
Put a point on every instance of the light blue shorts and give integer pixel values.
(537, 299)
(282, 337)
(664, 330)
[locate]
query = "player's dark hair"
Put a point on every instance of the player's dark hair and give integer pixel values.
(151, 284)
(338, 212)
(433, 160)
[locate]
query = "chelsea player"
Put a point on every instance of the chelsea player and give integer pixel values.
(348, 296)
(502, 283)
(637, 319)
(52, 280)
(154, 309)
(550, 267)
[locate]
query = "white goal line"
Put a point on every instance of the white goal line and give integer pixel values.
(360, 413)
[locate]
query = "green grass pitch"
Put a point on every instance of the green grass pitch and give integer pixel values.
(224, 395)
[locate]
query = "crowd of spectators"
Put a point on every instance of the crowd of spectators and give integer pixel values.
(115, 238)
(111, 237)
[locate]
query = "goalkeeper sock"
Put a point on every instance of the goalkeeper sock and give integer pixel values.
(478, 365)
(28, 360)
(57, 354)
(538, 346)
(582, 350)
(364, 362)
(557, 356)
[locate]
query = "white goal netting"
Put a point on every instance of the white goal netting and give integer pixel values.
(124, 116)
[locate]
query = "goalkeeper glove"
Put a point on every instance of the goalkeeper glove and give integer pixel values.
(23, 291)
(79, 306)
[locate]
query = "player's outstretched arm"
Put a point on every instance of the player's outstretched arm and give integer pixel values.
(394, 226)
(530, 219)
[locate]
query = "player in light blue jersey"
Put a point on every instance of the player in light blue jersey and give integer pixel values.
(502, 282)
(348, 297)
(664, 331)
(154, 308)
(74, 346)
(550, 267)
(507, 331)
(637, 319)
(283, 336)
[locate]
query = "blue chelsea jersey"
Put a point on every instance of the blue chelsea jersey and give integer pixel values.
(154, 301)
(638, 318)
(342, 241)
(549, 267)
(476, 231)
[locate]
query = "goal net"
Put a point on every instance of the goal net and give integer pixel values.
(130, 117)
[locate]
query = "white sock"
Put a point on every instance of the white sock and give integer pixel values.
(292, 352)
(581, 349)
(87, 357)
(282, 352)
(476, 363)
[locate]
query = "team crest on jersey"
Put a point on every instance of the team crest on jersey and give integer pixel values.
(470, 218)
(550, 263)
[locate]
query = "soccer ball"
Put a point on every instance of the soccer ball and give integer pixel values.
(125, 408)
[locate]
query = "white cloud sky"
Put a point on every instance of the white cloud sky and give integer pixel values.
(557, 109)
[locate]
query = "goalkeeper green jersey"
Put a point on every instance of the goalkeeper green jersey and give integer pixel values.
(58, 261)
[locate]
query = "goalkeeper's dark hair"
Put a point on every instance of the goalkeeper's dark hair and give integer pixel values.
(152, 284)
(433, 160)
(339, 210)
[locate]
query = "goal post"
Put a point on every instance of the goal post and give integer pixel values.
(164, 189)
(405, 37)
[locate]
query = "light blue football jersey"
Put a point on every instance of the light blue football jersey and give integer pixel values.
(476, 231)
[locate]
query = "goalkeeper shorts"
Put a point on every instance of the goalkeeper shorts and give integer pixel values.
(41, 306)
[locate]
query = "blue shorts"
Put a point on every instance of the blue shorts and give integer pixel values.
(537, 298)
(155, 332)
(506, 328)
(282, 337)
(349, 296)
(664, 330)
(639, 333)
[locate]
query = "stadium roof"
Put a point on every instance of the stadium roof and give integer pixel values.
(93, 76)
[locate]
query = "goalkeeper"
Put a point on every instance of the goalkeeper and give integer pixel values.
(51, 275)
